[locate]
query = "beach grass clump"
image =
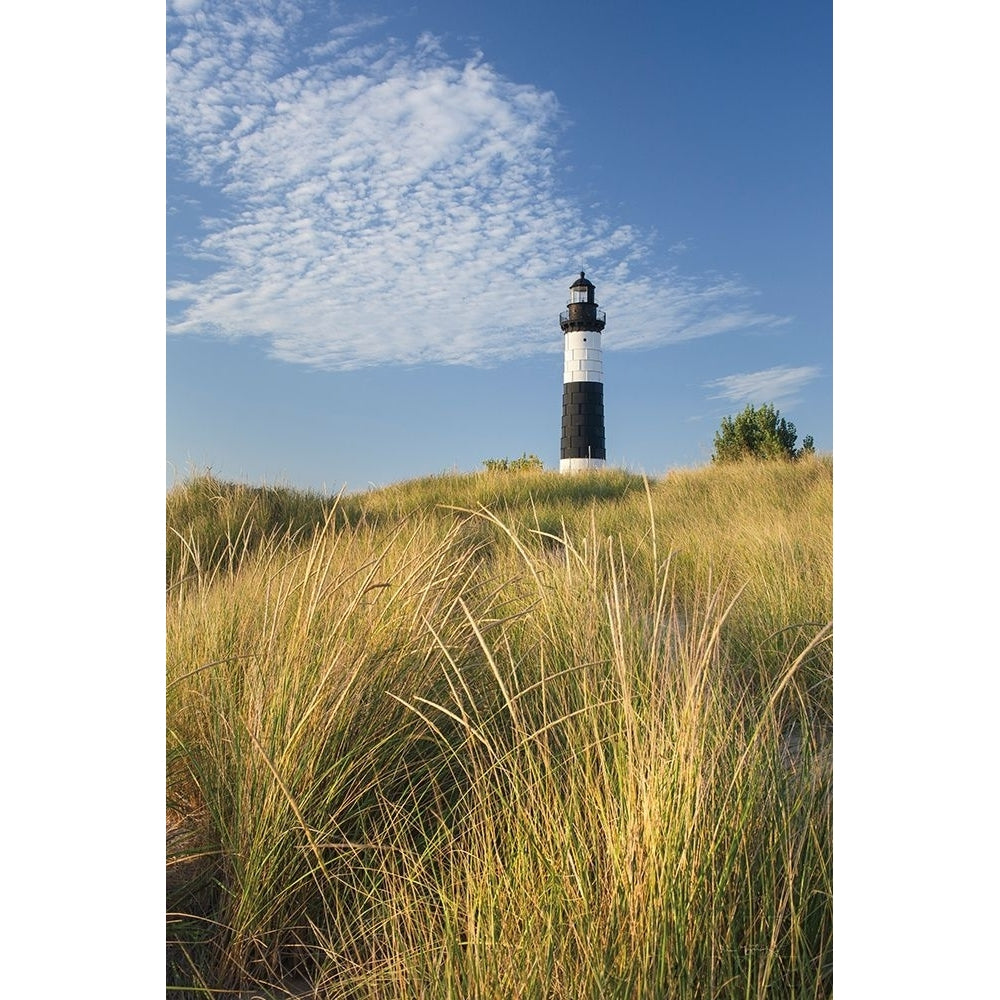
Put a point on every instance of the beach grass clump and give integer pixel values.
(213, 524)
(512, 744)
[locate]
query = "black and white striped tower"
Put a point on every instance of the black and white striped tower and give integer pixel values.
(582, 445)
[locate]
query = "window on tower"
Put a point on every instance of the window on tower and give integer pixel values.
(578, 295)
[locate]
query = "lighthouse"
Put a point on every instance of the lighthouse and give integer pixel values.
(582, 445)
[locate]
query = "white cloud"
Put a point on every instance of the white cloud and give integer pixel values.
(388, 204)
(773, 385)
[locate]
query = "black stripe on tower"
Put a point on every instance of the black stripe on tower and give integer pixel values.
(582, 420)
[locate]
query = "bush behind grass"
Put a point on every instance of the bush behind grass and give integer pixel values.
(566, 746)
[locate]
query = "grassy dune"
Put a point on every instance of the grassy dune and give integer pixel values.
(502, 736)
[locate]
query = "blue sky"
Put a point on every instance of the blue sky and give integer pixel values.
(375, 211)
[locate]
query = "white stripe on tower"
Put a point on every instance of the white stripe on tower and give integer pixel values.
(582, 444)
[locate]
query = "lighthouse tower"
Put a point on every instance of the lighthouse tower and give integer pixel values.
(582, 445)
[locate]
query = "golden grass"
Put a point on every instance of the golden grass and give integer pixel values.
(542, 737)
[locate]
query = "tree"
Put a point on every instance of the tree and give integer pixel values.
(759, 433)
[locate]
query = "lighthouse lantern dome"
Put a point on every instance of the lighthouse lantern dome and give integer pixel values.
(581, 290)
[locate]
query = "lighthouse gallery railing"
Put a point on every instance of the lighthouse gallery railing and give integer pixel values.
(601, 316)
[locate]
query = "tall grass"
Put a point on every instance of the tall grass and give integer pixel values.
(559, 737)
(213, 524)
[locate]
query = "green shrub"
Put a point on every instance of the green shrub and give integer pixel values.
(526, 463)
(758, 433)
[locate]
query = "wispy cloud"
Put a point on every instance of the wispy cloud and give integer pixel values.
(370, 202)
(773, 385)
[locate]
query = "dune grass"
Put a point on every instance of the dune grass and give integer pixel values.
(504, 736)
